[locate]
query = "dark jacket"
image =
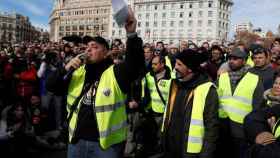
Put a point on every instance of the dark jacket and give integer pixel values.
(256, 123)
(175, 132)
(266, 74)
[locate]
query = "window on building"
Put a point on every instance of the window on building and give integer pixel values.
(114, 24)
(139, 24)
(89, 27)
(181, 33)
(190, 14)
(181, 6)
(210, 4)
(171, 23)
(209, 23)
(147, 7)
(181, 23)
(220, 23)
(139, 32)
(164, 6)
(113, 33)
(172, 5)
(191, 5)
(120, 32)
(200, 4)
(155, 24)
(81, 33)
(139, 16)
(155, 15)
(172, 14)
(224, 15)
(199, 23)
(147, 24)
(163, 15)
(74, 28)
(81, 27)
(61, 28)
(210, 13)
(190, 23)
(200, 13)
(147, 15)
(67, 28)
(155, 33)
(156, 7)
(163, 23)
(61, 34)
(181, 15)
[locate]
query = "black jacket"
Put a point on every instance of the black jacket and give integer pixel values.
(175, 132)
(256, 123)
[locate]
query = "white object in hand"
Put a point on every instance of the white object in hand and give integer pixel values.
(120, 11)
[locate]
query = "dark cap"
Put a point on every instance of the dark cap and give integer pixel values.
(191, 58)
(97, 39)
(237, 52)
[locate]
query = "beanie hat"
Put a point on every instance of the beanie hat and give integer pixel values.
(190, 58)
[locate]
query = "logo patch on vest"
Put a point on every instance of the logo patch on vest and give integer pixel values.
(107, 92)
(162, 83)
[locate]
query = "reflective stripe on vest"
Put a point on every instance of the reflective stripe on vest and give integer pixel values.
(164, 86)
(196, 129)
(238, 105)
(276, 129)
(169, 65)
(109, 107)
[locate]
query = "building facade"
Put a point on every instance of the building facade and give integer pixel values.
(172, 21)
(80, 17)
(244, 27)
(16, 28)
(7, 27)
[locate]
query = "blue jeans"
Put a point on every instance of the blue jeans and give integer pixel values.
(91, 149)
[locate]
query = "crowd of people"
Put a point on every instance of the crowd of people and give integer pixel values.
(141, 100)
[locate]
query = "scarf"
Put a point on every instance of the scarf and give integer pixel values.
(272, 99)
(235, 76)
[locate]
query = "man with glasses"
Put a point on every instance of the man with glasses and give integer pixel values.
(239, 92)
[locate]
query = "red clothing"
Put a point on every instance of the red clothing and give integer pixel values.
(26, 82)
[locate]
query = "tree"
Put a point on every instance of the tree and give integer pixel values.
(247, 38)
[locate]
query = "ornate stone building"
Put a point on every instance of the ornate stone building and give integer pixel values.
(80, 17)
(15, 28)
(174, 20)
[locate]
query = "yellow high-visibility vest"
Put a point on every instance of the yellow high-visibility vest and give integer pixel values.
(196, 130)
(169, 65)
(109, 107)
(164, 86)
(276, 129)
(237, 105)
